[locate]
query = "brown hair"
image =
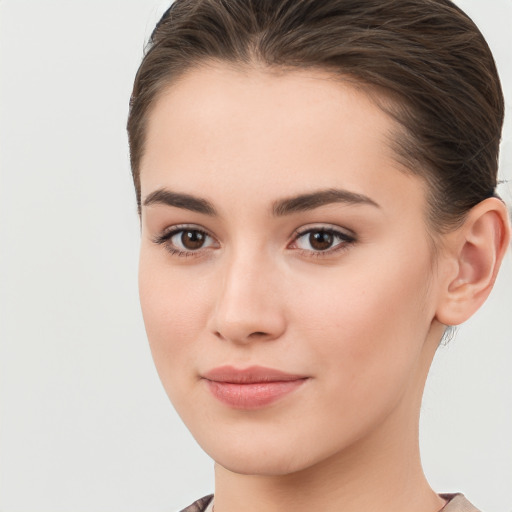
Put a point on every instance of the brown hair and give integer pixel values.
(427, 55)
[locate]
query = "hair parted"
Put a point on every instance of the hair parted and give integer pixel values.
(435, 72)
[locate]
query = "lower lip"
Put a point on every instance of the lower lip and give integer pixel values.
(254, 395)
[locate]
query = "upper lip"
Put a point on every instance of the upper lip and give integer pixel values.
(249, 375)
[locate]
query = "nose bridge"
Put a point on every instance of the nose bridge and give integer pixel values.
(247, 304)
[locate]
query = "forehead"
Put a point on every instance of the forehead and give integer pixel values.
(220, 128)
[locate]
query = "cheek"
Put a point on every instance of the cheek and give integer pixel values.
(174, 309)
(366, 326)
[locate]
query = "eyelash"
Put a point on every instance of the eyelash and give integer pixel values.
(345, 241)
(166, 236)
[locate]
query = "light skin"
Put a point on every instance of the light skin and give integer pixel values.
(308, 252)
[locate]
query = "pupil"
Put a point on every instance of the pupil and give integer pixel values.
(192, 239)
(320, 240)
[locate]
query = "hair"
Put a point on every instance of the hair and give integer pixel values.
(428, 63)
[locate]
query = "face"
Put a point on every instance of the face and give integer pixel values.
(286, 277)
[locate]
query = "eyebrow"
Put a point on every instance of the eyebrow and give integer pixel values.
(179, 200)
(310, 201)
(280, 208)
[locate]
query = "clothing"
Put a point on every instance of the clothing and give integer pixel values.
(456, 503)
(200, 505)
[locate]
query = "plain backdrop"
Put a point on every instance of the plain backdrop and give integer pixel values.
(84, 422)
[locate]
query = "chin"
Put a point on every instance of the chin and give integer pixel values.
(261, 465)
(264, 456)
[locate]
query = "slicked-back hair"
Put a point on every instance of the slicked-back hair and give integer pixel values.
(424, 61)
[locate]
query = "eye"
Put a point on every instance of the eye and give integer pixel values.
(189, 239)
(184, 241)
(322, 240)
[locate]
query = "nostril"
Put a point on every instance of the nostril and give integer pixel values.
(256, 334)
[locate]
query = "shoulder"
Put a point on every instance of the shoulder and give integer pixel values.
(199, 505)
(457, 503)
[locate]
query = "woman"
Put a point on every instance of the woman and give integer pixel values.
(316, 184)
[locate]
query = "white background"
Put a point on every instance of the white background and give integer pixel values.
(84, 422)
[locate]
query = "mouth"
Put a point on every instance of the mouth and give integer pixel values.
(251, 388)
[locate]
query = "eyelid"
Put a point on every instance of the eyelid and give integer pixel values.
(330, 228)
(170, 231)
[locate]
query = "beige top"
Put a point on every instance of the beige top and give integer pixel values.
(456, 503)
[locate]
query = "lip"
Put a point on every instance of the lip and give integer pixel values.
(251, 388)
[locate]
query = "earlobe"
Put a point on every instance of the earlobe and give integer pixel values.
(476, 252)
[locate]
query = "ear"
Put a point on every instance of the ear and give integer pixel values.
(473, 256)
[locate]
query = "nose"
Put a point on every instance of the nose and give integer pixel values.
(248, 306)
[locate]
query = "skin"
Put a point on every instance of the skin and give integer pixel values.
(361, 320)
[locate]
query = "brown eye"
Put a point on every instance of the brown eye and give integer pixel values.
(186, 241)
(192, 239)
(321, 240)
